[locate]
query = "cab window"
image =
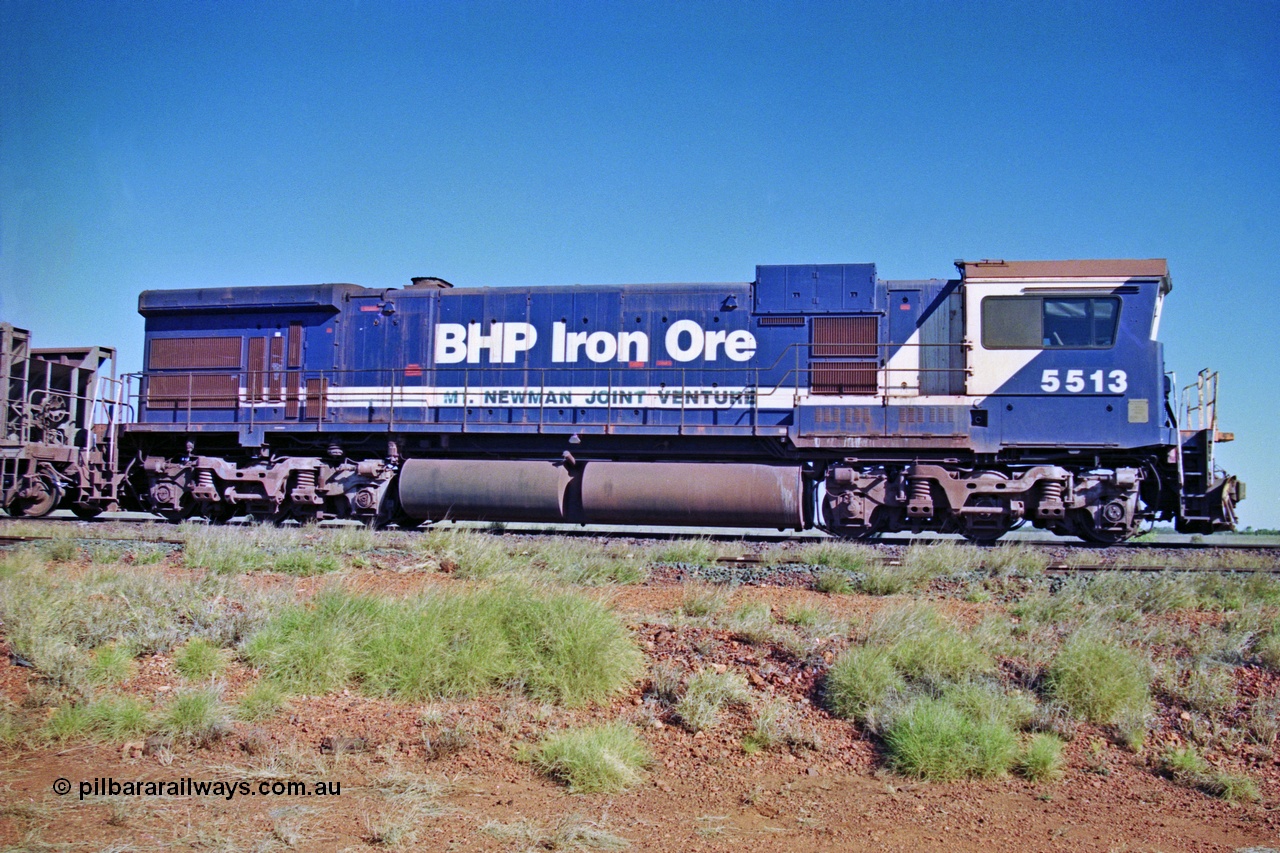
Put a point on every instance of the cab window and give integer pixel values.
(1038, 322)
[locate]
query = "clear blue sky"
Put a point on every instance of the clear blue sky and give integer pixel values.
(191, 144)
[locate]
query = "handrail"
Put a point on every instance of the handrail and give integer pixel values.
(394, 401)
(1206, 400)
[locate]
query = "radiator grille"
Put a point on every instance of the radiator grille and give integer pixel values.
(257, 364)
(317, 392)
(193, 390)
(844, 377)
(292, 394)
(295, 345)
(845, 337)
(194, 353)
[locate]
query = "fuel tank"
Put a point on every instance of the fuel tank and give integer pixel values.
(655, 493)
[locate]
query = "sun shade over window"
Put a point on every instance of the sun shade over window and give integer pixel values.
(1036, 322)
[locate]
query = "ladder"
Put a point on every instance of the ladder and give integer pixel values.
(1208, 496)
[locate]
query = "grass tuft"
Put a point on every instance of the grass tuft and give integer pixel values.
(920, 564)
(1009, 559)
(586, 563)
(986, 700)
(665, 683)
(1268, 648)
(111, 664)
(62, 551)
(597, 759)
(924, 646)
(570, 832)
(689, 552)
(55, 620)
(465, 552)
(110, 718)
(1264, 721)
(777, 724)
(706, 693)
(932, 739)
(304, 563)
(1187, 767)
(813, 619)
(860, 679)
(69, 721)
(842, 557)
(197, 717)
(560, 646)
(752, 622)
(198, 660)
(1202, 687)
(834, 582)
(117, 718)
(1041, 759)
(703, 600)
(263, 700)
(11, 728)
(1100, 681)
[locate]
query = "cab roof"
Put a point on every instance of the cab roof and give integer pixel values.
(1148, 268)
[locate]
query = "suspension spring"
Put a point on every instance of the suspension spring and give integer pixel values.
(921, 500)
(204, 479)
(304, 487)
(1051, 500)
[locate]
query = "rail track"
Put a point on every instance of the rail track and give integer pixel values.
(1066, 559)
(710, 534)
(1053, 568)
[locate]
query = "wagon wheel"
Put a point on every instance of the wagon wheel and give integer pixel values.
(39, 498)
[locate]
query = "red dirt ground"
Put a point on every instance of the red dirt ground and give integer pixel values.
(703, 791)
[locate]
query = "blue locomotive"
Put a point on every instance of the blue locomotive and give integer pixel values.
(815, 395)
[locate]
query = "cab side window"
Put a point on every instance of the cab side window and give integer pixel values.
(1036, 322)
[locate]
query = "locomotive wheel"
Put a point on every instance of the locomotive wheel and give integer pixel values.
(877, 526)
(879, 522)
(273, 517)
(218, 513)
(1089, 533)
(82, 509)
(1084, 527)
(37, 500)
(86, 511)
(984, 537)
(979, 535)
(179, 515)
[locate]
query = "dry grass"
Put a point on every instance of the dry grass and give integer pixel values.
(557, 645)
(596, 759)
